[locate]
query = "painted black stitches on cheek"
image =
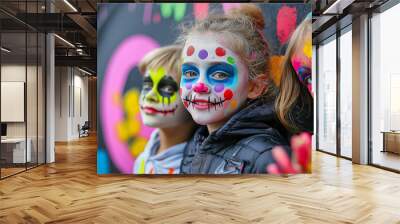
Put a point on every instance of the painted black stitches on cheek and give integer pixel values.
(215, 102)
(209, 102)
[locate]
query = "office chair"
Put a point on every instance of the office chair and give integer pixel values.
(84, 130)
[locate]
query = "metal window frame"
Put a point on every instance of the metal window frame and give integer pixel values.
(339, 32)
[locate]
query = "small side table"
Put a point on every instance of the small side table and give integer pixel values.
(391, 141)
(14, 149)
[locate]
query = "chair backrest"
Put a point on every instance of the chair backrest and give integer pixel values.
(86, 125)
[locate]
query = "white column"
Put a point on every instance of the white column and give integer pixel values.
(50, 109)
(50, 93)
(360, 90)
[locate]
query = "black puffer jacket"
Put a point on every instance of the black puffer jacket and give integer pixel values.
(241, 145)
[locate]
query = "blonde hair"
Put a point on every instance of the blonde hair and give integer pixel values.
(290, 88)
(242, 29)
(168, 57)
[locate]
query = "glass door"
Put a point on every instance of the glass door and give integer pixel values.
(13, 103)
(346, 92)
(327, 96)
(22, 77)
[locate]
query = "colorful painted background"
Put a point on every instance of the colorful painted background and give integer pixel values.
(126, 32)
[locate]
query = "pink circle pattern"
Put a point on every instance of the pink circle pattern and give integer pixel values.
(124, 59)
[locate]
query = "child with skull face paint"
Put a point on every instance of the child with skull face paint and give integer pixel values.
(160, 107)
(226, 86)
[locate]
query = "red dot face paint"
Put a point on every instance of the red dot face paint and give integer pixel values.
(220, 52)
(190, 51)
(228, 94)
(214, 79)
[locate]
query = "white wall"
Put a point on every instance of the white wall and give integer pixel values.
(71, 94)
(10, 73)
(62, 81)
(13, 73)
(80, 103)
(16, 73)
(33, 126)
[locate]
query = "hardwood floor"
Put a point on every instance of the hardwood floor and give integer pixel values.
(387, 159)
(70, 191)
(10, 171)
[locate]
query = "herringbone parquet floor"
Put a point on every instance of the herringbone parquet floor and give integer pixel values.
(69, 191)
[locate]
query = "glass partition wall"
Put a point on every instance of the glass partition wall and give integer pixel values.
(326, 135)
(22, 77)
(334, 90)
(385, 90)
(345, 61)
(334, 94)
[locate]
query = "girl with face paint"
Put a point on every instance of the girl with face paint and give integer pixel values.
(294, 104)
(226, 86)
(296, 68)
(298, 56)
(161, 107)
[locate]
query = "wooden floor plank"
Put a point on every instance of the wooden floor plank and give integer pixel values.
(70, 191)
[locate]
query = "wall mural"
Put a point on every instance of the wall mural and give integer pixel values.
(128, 31)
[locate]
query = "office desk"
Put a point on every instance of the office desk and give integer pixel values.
(391, 141)
(13, 150)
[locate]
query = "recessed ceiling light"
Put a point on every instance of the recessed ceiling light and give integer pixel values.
(5, 50)
(70, 5)
(84, 71)
(65, 41)
(333, 9)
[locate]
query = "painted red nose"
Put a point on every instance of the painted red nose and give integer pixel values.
(201, 88)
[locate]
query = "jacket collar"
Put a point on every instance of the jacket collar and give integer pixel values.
(255, 118)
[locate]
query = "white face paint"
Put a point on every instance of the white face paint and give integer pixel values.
(159, 102)
(214, 83)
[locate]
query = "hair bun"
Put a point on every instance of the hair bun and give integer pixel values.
(250, 10)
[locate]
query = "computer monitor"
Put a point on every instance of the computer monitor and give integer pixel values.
(3, 129)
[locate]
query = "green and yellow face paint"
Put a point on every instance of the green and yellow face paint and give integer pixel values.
(160, 87)
(159, 102)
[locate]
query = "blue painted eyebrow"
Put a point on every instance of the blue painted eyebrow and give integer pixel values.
(190, 67)
(221, 66)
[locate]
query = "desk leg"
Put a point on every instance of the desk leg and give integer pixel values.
(384, 142)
